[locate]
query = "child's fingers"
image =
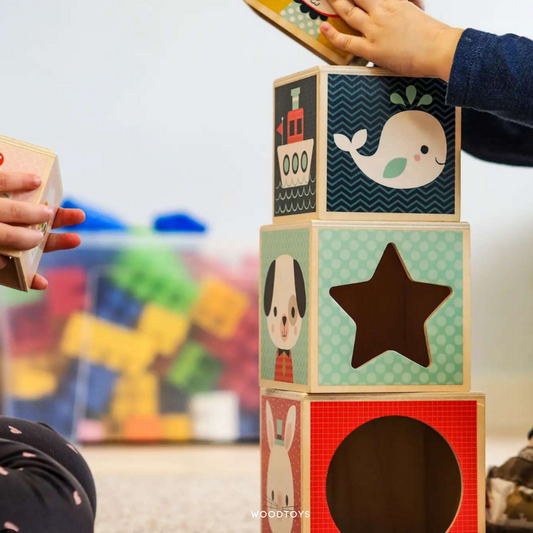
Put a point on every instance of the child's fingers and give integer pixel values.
(18, 238)
(68, 217)
(348, 43)
(367, 5)
(14, 212)
(39, 283)
(354, 16)
(62, 241)
(18, 181)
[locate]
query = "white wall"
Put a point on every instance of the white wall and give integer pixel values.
(167, 104)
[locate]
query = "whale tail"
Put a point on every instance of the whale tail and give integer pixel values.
(357, 142)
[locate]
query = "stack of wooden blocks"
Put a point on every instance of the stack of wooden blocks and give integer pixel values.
(368, 422)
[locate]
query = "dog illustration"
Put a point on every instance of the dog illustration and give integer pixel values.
(284, 305)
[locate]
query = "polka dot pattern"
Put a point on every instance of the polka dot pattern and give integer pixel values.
(351, 256)
(293, 14)
(296, 244)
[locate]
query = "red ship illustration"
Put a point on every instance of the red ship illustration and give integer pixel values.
(295, 156)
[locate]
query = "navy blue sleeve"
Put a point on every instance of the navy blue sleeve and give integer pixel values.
(492, 80)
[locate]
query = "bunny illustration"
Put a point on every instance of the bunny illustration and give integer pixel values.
(280, 484)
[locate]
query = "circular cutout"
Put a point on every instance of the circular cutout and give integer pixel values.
(394, 475)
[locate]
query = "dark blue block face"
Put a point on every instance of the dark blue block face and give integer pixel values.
(391, 146)
(115, 305)
(100, 386)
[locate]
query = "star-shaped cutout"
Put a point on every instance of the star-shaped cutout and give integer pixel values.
(390, 311)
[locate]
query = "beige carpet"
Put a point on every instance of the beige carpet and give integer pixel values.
(202, 489)
(171, 490)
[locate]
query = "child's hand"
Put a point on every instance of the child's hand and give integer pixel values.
(396, 35)
(14, 215)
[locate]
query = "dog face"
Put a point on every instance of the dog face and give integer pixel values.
(284, 301)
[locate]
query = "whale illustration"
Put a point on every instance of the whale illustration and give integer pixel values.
(412, 151)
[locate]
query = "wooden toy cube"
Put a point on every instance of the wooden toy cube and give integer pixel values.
(365, 307)
(379, 463)
(18, 156)
(363, 144)
(301, 20)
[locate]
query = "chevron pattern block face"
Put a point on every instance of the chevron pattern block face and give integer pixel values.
(387, 148)
(377, 294)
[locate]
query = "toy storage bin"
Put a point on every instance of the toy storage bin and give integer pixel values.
(140, 337)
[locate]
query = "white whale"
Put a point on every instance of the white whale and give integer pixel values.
(412, 151)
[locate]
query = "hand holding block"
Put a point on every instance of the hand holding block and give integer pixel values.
(363, 144)
(365, 307)
(329, 463)
(17, 156)
(301, 19)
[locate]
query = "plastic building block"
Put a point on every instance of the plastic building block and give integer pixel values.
(220, 308)
(168, 329)
(89, 431)
(30, 329)
(67, 290)
(177, 428)
(194, 370)
(10, 298)
(100, 385)
(215, 416)
(242, 346)
(249, 425)
(116, 305)
(172, 399)
(95, 220)
(30, 381)
(179, 223)
(243, 382)
(161, 365)
(113, 346)
(156, 276)
(135, 396)
(144, 429)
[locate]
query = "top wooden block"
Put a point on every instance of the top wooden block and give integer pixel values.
(360, 144)
(301, 20)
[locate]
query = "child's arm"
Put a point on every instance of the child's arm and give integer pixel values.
(484, 71)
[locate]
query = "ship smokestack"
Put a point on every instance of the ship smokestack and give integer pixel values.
(295, 93)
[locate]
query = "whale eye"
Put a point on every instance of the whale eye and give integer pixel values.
(424, 149)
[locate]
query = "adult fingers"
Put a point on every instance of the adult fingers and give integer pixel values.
(353, 15)
(18, 238)
(39, 283)
(62, 241)
(18, 181)
(367, 5)
(356, 46)
(14, 212)
(68, 217)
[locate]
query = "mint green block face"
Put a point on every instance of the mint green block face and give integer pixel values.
(285, 247)
(347, 256)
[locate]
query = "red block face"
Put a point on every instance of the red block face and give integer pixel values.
(381, 464)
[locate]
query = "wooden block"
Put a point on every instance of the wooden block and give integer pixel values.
(220, 308)
(301, 20)
(18, 156)
(167, 328)
(365, 307)
(363, 144)
(380, 463)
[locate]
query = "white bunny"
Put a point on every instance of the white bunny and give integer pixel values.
(280, 484)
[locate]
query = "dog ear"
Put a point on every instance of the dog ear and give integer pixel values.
(268, 293)
(300, 288)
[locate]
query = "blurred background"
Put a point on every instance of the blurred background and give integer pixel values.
(166, 106)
